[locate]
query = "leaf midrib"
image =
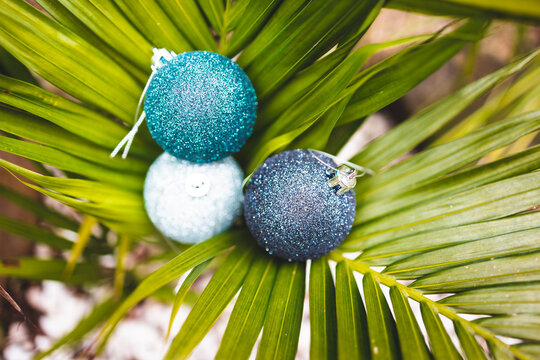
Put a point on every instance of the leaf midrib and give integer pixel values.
(419, 297)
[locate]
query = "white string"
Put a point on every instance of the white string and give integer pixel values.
(363, 170)
(156, 64)
(128, 139)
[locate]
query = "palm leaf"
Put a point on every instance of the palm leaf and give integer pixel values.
(322, 311)
(470, 346)
(441, 344)
(284, 315)
(351, 315)
(215, 297)
(249, 311)
(517, 10)
(411, 339)
(381, 325)
(442, 218)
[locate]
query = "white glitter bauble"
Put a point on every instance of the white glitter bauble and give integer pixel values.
(191, 202)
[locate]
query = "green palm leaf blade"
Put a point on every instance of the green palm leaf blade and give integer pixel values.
(154, 24)
(193, 256)
(439, 340)
(318, 135)
(458, 255)
(319, 89)
(471, 348)
(298, 86)
(518, 164)
(393, 144)
(530, 348)
(104, 21)
(411, 340)
(225, 283)
(299, 42)
(214, 11)
(510, 299)
(517, 10)
(492, 201)
(237, 12)
(440, 309)
(282, 16)
(326, 93)
(245, 18)
(383, 336)
(63, 16)
(304, 80)
(10, 66)
(93, 192)
(183, 290)
(71, 163)
(352, 326)
(119, 215)
(248, 314)
(341, 134)
(522, 326)
(38, 209)
(422, 167)
(385, 90)
(43, 132)
(97, 315)
(71, 116)
(499, 352)
(34, 233)
(322, 311)
(392, 251)
(400, 73)
(33, 38)
(507, 270)
(283, 318)
(519, 97)
(52, 269)
(123, 247)
(127, 221)
(190, 21)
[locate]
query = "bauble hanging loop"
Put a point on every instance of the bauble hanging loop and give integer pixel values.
(160, 57)
(344, 178)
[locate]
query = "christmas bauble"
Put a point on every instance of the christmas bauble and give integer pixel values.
(200, 106)
(191, 202)
(291, 208)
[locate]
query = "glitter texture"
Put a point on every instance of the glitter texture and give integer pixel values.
(193, 216)
(291, 209)
(200, 106)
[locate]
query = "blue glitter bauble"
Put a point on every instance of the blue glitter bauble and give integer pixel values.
(200, 106)
(292, 211)
(191, 202)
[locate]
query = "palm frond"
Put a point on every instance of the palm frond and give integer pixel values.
(454, 217)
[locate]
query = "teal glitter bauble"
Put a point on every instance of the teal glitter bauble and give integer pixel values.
(291, 209)
(200, 106)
